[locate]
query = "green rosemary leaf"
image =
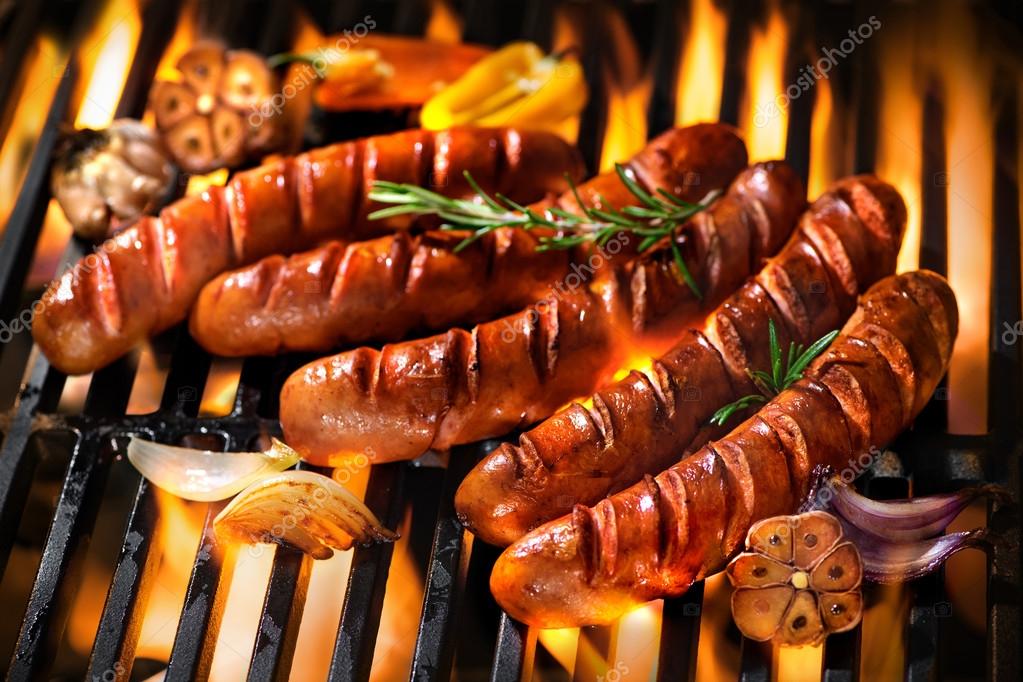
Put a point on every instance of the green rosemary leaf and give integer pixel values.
(680, 265)
(726, 412)
(401, 209)
(628, 179)
(479, 191)
(815, 349)
(776, 375)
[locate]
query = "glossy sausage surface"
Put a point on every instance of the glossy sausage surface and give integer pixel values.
(641, 424)
(390, 287)
(464, 386)
(657, 537)
(145, 279)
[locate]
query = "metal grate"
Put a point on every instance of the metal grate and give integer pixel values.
(456, 570)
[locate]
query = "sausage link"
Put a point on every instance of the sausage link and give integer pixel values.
(463, 386)
(644, 421)
(657, 537)
(145, 279)
(386, 288)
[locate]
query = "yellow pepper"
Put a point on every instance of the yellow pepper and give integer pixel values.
(516, 86)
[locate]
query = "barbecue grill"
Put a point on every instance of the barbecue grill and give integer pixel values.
(69, 501)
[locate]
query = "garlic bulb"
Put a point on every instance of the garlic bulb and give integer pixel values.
(104, 179)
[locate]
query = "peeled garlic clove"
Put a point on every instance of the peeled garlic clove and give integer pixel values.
(758, 611)
(841, 612)
(802, 623)
(756, 570)
(772, 537)
(813, 536)
(905, 520)
(302, 509)
(205, 475)
(839, 571)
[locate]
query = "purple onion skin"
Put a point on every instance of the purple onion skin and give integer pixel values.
(894, 562)
(907, 520)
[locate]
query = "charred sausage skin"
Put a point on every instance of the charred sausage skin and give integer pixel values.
(386, 288)
(657, 537)
(463, 386)
(847, 240)
(145, 279)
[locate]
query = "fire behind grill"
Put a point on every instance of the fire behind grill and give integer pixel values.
(461, 630)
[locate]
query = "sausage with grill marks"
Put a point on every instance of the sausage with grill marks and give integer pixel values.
(384, 289)
(657, 537)
(145, 279)
(463, 386)
(847, 240)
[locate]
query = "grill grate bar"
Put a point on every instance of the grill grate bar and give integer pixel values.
(282, 614)
(842, 656)
(756, 661)
(367, 579)
(1005, 414)
(680, 635)
(117, 636)
(61, 563)
(514, 651)
(201, 613)
(434, 650)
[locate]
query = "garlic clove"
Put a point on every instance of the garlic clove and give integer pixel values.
(813, 536)
(772, 537)
(840, 571)
(204, 475)
(756, 570)
(802, 623)
(758, 612)
(841, 612)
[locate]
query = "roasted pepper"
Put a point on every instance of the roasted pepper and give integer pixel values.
(516, 86)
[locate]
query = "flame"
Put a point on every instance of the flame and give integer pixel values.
(183, 39)
(638, 641)
(900, 133)
(969, 137)
(43, 65)
(718, 656)
(701, 74)
(764, 123)
(628, 93)
(799, 665)
(106, 55)
(444, 25)
(180, 527)
(824, 141)
(562, 644)
(565, 36)
(221, 387)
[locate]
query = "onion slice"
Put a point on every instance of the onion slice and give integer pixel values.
(206, 475)
(302, 509)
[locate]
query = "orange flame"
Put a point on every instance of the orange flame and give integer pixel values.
(701, 74)
(628, 93)
(763, 122)
(106, 55)
(444, 25)
(825, 149)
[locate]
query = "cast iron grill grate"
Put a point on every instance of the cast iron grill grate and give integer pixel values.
(935, 459)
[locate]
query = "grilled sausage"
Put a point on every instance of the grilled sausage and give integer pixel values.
(846, 241)
(145, 279)
(463, 386)
(388, 287)
(655, 538)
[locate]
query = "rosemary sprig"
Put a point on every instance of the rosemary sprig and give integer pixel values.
(781, 376)
(654, 217)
